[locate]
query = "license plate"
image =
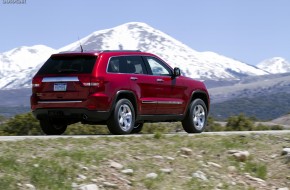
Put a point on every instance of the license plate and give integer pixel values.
(55, 113)
(59, 87)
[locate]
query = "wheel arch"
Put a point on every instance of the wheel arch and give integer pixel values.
(199, 94)
(128, 95)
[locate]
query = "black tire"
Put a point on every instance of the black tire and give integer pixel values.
(122, 119)
(52, 128)
(196, 117)
(137, 128)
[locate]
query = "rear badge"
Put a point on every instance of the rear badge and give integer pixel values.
(59, 87)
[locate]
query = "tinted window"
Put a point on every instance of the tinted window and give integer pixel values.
(114, 65)
(127, 64)
(65, 64)
(157, 67)
(134, 64)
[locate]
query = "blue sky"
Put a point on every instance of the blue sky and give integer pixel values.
(246, 30)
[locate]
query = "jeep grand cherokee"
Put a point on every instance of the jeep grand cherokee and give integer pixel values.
(122, 89)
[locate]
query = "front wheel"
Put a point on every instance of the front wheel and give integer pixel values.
(195, 120)
(52, 128)
(122, 120)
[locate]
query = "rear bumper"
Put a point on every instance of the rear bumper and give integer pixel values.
(71, 115)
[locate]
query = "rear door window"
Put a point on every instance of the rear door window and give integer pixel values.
(127, 64)
(68, 65)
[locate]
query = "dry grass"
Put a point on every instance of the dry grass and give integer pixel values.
(58, 163)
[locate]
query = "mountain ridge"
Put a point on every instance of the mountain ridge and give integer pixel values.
(136, 35)
(18, 65)
(275, 65)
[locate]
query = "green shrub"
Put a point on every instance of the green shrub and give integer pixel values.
(81, 129)
(261, 127)
(213, 126)
(277, 127)
(26, 124)
(23, 124)
(163, 127)
(239, 123)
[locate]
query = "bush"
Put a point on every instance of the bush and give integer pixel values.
(261, 127)
(24, 124)
(213, 126)
(239, 123)
(81, 129)
(162, 127)
(277, 127)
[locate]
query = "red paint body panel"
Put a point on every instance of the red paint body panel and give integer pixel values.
(98, 89)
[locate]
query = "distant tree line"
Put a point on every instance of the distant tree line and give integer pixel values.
(263, 108)
(26, 124)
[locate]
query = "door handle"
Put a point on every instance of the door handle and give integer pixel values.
(159, 80)
(133, 78)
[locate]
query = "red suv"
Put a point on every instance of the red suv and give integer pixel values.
(122, 89)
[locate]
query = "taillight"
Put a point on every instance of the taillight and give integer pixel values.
(36, 82)
(96, 84)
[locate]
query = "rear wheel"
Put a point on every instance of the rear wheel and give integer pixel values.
(137, 128)
(122, 119)
(195, 120)
(52, 128)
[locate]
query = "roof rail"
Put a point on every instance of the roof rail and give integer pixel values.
(69, 52)
(121, 50)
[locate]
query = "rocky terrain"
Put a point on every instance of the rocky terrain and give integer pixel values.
(256, 161)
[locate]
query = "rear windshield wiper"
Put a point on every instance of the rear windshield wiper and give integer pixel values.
(68, 71)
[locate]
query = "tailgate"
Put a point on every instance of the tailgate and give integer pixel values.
(63, 88)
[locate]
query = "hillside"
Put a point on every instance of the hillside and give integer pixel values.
(133, 35)
(284, 120)
(262, 107)
(251, 87)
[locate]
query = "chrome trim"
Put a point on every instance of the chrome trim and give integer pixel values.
(162, 102)
(169, 102)
(59, 102)
(133, 78)
(60, 79)
(149, 102)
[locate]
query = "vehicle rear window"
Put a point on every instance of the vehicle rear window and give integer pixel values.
(68, 64)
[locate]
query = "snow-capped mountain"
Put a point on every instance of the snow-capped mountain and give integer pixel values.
(135, 35)
(18, 65)
(275, 65)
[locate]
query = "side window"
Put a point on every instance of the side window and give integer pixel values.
(127, 64)
(157, 67)
(134, 64)
(114, 65)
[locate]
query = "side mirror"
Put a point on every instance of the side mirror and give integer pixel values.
(176, 72)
